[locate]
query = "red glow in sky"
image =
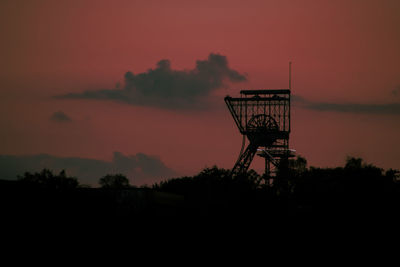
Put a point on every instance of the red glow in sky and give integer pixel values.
(343, 52)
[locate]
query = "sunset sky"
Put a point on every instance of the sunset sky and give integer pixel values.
(138, 86)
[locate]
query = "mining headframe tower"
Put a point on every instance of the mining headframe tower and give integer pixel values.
(263, 117)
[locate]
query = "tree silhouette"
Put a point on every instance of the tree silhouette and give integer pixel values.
(215, 192)
(288, 172)
(46, 179)
(114, 181)
(357, 189)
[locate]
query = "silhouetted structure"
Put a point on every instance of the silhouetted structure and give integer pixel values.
(263, 116)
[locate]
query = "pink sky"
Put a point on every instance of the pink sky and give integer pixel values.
(342, 52)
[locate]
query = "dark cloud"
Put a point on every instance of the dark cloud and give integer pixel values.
(60, 116)
(168, 88)
(389, 108)
(140, 168)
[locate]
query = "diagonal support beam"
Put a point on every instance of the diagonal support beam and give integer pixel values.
(244, 160)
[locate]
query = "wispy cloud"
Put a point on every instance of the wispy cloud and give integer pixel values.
(396, 91)
(60, 116)
(385, 108)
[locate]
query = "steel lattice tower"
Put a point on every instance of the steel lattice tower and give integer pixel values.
(263, 116)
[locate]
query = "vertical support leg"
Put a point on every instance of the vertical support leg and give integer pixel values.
(267, 173)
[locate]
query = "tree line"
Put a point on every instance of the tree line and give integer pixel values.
(46, 179)
(357, 188)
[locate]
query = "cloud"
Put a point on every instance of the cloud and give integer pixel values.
(140, 168)
(165, 87)
(60, 116)
(396, 91)
(388, 108)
